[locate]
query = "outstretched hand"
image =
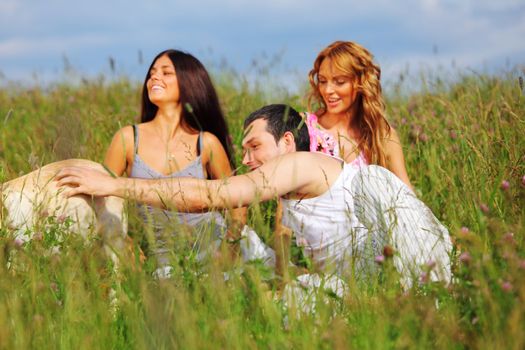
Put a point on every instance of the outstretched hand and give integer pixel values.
(88, 181)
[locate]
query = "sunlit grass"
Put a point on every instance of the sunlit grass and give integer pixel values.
(462, 142)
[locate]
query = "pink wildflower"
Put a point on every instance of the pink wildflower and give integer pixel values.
(430, 264)
(424, 277)
(484, 208)
(505, 185)
(38, 236)
(506, 286)
(379, 259)
(508, 238)
(465, 230)
(61, 218)
(465, 257)
(18, 242)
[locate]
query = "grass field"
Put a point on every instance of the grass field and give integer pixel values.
(465, 150)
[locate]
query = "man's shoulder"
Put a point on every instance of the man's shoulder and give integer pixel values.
(319, 156)
(313, 161)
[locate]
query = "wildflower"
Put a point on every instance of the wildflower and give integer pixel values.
(53, 286)
(507, 255)
(475, 320)
(430, 264)
(505, 185)
(379, 259)
(523, 180)
(506, 286)
(424, 277)
(484, 208)
(415, 131)
(453, 134)
(521, 264)
(423, 137)
(18, 242)
(508, 238)
(465, 257)
(388, 251)
(61, 218)
(38, 236)
(465, 230)
(403, 120)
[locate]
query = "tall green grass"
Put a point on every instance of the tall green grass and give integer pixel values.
(461, 141)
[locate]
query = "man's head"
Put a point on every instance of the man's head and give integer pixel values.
(272, 131)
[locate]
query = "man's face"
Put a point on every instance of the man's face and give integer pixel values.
(259, 145)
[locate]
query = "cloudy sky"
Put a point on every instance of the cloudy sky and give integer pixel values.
(37, 37)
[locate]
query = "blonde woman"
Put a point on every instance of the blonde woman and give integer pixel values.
(349, 120)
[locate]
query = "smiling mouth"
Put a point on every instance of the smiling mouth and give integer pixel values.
(157, 88)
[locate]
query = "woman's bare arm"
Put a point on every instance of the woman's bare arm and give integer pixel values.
(117, 155)
(396, 159)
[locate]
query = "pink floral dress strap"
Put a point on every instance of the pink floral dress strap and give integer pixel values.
(360, 161)
(320, 140)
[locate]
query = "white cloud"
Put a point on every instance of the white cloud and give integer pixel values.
(14, 47)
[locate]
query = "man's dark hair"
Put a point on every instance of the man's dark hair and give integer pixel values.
(281, 118)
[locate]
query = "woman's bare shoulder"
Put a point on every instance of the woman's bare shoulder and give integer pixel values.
(211, 142)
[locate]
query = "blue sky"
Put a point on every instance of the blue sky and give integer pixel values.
(36, 35)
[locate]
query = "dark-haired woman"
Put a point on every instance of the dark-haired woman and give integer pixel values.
(182, 133)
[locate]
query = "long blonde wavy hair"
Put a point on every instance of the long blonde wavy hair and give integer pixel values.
(357, 62)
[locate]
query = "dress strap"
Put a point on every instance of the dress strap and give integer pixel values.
(320, 139)
(136, 138)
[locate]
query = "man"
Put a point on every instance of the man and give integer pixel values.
(342, 216)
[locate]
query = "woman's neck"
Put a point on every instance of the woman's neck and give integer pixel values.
(331, 121)
(168, 120)
(341, 124)
(339, 121)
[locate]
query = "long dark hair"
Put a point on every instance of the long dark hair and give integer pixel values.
(200, 105)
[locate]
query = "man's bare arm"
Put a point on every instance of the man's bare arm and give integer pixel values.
(280, 176)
